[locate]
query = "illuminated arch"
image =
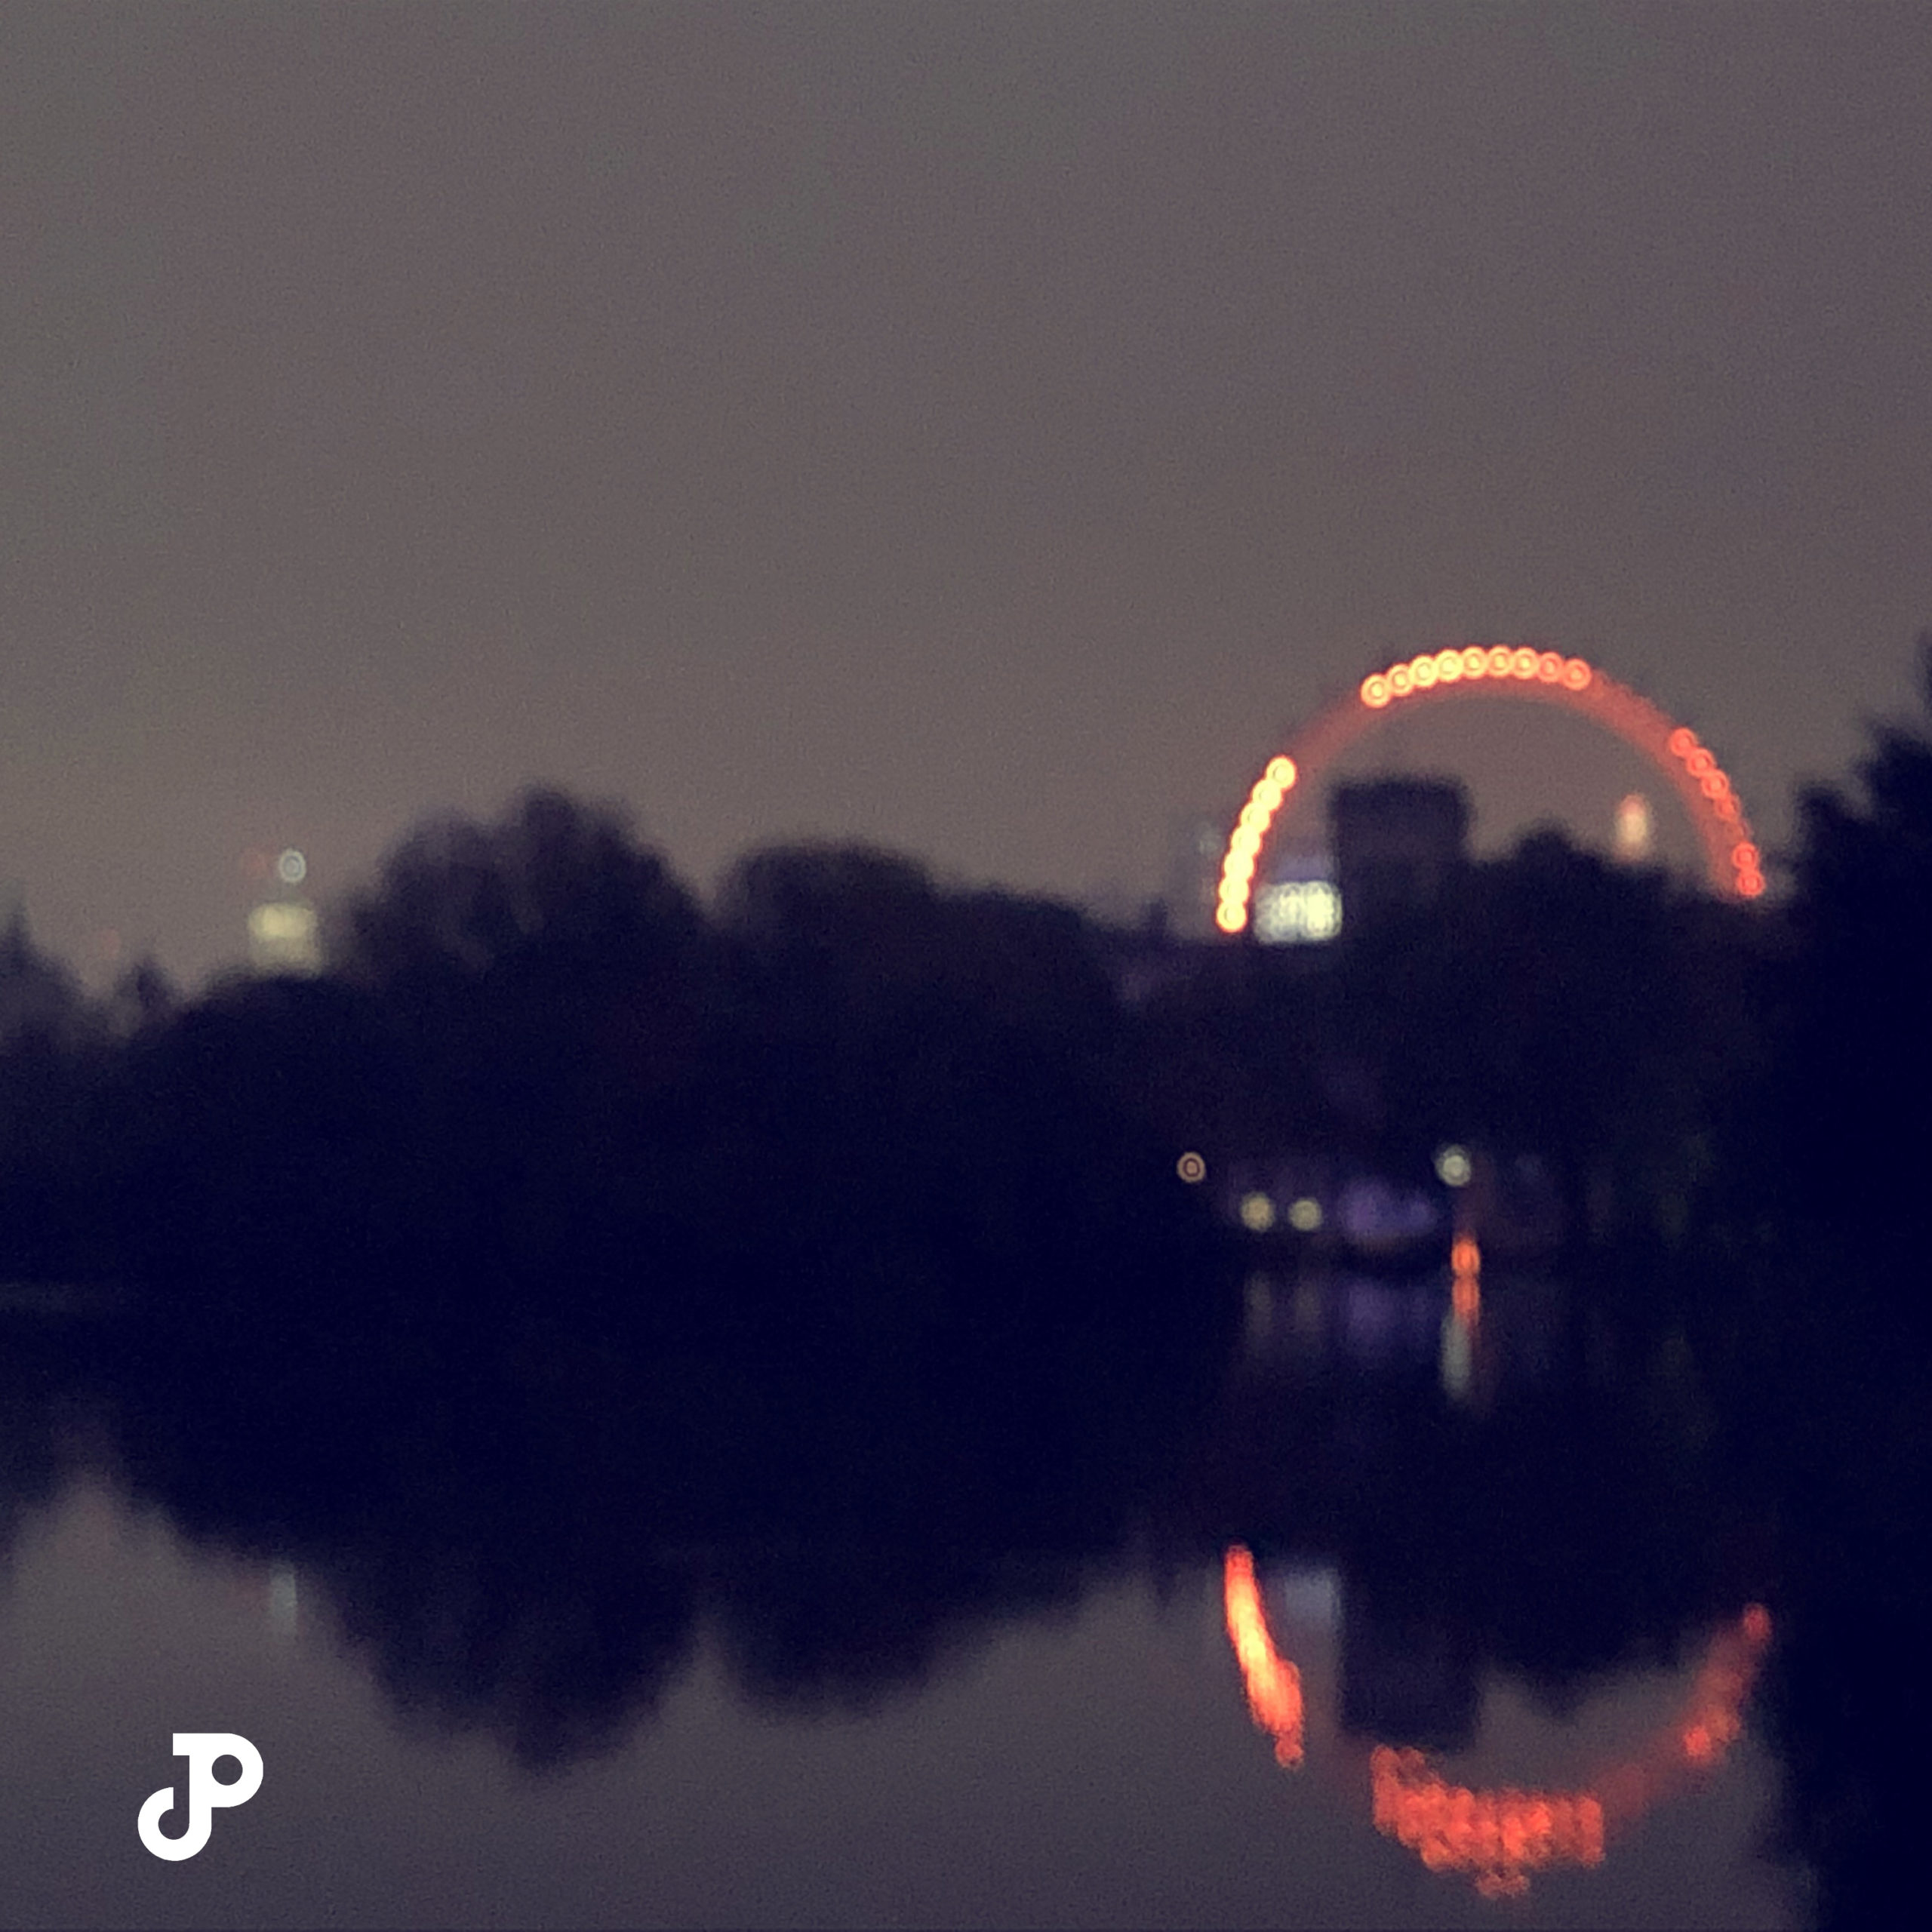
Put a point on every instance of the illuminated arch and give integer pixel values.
(1731, 856)
(1498, 1838)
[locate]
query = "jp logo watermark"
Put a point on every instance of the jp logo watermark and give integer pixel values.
(203, 1750)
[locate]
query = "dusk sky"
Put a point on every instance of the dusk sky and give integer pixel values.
(981, 430)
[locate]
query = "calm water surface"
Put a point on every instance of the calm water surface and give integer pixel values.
(1136, 1735)
(1097, 1766)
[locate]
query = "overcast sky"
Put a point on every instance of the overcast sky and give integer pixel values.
(983, 430)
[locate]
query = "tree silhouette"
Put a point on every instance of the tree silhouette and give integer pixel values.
(555, 888)
(1859, 1048)
(52, 1042)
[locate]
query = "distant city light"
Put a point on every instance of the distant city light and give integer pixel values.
(1297, 913)
(1191, 1167)
(291, 868)
(1452, 1166)
(1633, 834)
(283, 937)
(1305, 1215)
(1258, 1212)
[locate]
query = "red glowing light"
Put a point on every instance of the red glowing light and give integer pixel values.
(1466, 1283)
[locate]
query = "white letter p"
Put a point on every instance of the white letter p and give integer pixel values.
(205, 1791)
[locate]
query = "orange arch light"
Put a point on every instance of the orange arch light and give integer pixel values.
(1731, 858)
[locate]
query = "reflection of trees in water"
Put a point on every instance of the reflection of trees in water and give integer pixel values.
(45, 1390)
(524, 1529)
(1583, 1522)
(537, 1565)
(842, 1625)
(556, 1650)
(1577, 1528)
(530, 1544)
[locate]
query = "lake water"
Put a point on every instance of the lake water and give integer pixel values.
(1160, 1729)
(1095, 1767)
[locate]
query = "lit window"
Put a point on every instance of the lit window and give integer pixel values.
(1297, 913)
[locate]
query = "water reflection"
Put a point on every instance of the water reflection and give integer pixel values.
(540, 1535)
(551, 1561)
(1499, 1836)
(1273, 1681)
(1421, 1323)
(537, 1552)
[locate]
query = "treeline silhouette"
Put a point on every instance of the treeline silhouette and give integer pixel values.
(570, 1266)
(531, 1049)
(564, 1258)
(1599, 1028)
(853, 1122)
(1814, 1323)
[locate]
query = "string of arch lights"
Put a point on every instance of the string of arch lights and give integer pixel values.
(1732, 858)
(1499, 1838)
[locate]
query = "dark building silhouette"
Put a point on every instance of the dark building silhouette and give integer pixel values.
(1397, 843)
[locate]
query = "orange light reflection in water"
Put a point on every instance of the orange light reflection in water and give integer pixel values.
(1274, 1684)
(1499, 1838)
